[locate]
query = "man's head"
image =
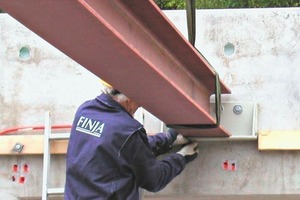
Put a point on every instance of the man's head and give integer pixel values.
(129, 105)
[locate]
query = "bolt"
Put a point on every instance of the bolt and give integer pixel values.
(221, 109)
(237, 109)
(18, 146)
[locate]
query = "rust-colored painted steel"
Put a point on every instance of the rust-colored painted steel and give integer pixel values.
(134, 47)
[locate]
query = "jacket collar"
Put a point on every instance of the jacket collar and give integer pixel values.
(108, 101)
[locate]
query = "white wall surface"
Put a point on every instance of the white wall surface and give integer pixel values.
(265, 64)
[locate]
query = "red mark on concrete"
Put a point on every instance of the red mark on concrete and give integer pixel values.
(25, 168)
(15, 168)
(229, 165)
(22, 179)
(225, 165)
(233, 166)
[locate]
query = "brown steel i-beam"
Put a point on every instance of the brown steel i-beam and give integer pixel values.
(134, 47)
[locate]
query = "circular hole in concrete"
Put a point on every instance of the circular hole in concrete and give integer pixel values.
(229, 49)
(24, 53)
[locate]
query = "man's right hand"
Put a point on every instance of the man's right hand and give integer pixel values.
(189, 151)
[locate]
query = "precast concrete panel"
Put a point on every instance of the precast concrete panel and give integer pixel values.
(255, 51)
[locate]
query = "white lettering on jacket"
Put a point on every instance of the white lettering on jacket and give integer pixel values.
(90, 126)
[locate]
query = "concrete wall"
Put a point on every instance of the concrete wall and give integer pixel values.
(260, 66)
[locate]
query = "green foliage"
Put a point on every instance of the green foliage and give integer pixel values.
(171, 4)
(209, 4)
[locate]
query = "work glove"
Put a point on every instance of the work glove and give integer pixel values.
(177, 139)
(189, 151)
(180, 140)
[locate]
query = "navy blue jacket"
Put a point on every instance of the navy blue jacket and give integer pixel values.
(110, 156)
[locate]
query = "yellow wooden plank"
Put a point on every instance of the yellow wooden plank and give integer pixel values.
(33, 144)
(279, 140)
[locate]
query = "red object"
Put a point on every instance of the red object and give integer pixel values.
(31, 128)
(25, 168)
(132, 46)
(225, 165)
(233, 166)
(15, 168)
(22, 179)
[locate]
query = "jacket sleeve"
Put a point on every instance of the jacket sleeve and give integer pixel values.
(160, 143)
(150, 173)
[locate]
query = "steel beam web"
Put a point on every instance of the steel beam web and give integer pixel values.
(134, 47)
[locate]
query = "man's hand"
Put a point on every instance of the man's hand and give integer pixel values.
(180, 140)
(189, 152)
(177, 139)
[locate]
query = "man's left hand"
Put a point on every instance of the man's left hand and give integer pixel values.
(180, 140)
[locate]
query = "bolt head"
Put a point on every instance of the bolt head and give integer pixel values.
(237, 109)
(18, 147)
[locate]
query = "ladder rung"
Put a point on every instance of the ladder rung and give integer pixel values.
(59, 136)
(55, 191)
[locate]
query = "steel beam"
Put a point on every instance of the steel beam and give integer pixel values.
(134, 47)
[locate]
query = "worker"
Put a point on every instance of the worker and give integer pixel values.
(110, 156)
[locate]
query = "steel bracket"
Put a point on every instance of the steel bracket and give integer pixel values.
(239, 118)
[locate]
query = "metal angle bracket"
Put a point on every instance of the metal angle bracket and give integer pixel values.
(239, 118)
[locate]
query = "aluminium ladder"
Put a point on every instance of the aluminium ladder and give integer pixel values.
(47, 156)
